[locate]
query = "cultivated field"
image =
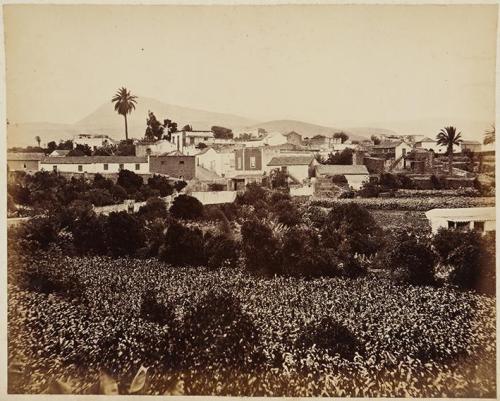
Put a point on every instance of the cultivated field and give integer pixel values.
(410, 341)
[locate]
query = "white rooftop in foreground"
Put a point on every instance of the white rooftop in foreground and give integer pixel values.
(466, 213)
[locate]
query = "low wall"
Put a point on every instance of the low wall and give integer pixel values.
(302, 191)
(214, 197)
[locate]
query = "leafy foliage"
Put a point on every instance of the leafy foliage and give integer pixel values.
(186, 207)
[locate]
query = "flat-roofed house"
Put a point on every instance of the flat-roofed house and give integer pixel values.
(390, 150)
(29, 162)
(145, 148)
(174, 165)
(93, 141)
(355, 175)
(95, 164)
(298, 168)
(187, 142)
(480, 219)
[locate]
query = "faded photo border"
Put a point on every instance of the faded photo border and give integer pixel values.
(3, 177)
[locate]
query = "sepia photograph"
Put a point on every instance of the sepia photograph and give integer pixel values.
(293, 200)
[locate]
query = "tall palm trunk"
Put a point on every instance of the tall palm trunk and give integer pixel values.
(126, 127)
(450, 160)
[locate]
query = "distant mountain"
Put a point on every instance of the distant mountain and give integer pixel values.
(310, 130)
(105, 120)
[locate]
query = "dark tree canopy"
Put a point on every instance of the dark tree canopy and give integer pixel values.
(341, 135)
(154, 130)
(222, 132)
(343, 158)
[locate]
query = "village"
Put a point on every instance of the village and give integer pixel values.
(250, 201)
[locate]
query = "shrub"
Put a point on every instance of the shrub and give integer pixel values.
(331, 336)
(405, 181)
(277, 196)
(154, 311)
(351, 229)
(183, 246)
(260, 248)
(287, 213)
(179, 185)
(445, 241)
(161, 184)
(186, 207)
(389, 181)
(218, 333)
(11, 205)
(124, 234)
(102, 183)
(40, 231)
(261, 209)
(99, 197)
(118, 193)
(220, 250)
(437, 182)
(145, 192)
(302, 255)
(154, 208)
(129, 180)
(90, 234)
(411, 262)
(252, 194)
(473, 264)
(339, 179)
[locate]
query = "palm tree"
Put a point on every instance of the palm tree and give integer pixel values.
(489, 135)
(448, 136)
(38, 140)
(124, 104)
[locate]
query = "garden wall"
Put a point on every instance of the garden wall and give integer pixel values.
(214, 197)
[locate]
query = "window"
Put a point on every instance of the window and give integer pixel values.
(239, 163)
(24, 165)
(163, 162)
(54, 168)
(252, 161)
(181, 162)
(105, 166)
(80, 167)
(479, 226)
(120, 166)
(137, 166)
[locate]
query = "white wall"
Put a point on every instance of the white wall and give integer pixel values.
(298, 172)
(96, 168)
(302, 191)
(356, 180)
(214, 197)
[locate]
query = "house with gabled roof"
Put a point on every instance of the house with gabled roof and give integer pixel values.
(29, 162)
(297, 167)
(355, 174)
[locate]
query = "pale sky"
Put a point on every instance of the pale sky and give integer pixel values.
(328, 65)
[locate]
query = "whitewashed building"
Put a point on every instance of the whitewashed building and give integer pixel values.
(356, 175)
(298, 168)
(95, 164)
(480, 219)
(188, 142)
(93, 141)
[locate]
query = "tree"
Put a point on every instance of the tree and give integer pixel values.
(489, 135)
(222, 132)
(375, 139)
(65, 145)
(171, 127)
(129, 180)
(124, 233)
(154, 130)
(38, 140)
(80, 150)
(187, 128)
(124, 104)
(448, 136)
(51, 146)
(342, 136)
(186, 207)
(125, 148)
(344, 157)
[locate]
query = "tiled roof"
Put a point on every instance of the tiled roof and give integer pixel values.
(426, 139)
(387, 144)
(93, 159)
(25, 156)
(291, 160)
(63, 152)
(338, 169)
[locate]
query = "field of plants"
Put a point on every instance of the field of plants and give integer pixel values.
(411, 203)
(406, 340)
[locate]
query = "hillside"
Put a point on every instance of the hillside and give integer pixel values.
(104, 120)
(310, 130)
